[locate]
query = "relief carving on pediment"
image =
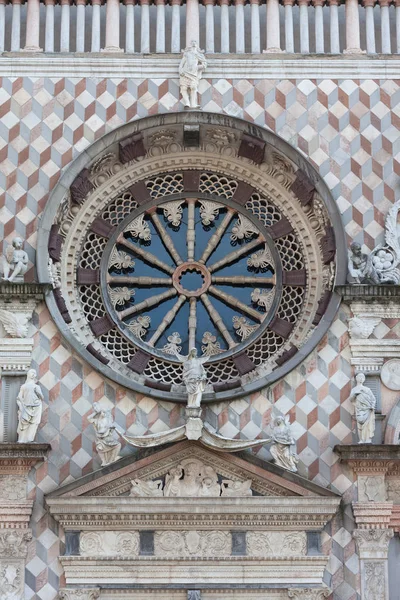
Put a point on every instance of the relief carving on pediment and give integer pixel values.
(191, 478)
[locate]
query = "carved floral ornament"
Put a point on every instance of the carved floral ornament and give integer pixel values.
(158, 238)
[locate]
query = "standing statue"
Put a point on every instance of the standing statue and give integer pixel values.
(107, 444)
(15, 259)
(191, 69)
(361, 267)
(194, 377)
(365, 403)
(282, 442)
(29, 403)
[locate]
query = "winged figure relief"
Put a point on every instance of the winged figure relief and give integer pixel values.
(15, 324)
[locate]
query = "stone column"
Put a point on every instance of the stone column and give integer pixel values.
(304, 32)
(145, 27)
(398, 26)
(352, 28)
(2, 23)
(112, 26)
(130, 27)
(95, 46)
(224, 26)
(273, 27)
(289, 37)
(160, 26)
(385, 27)
(373, 545)
(32, 27)
(80, 25)
(192, 22)
(176, 26)
(64, 30)
(334, 26)
(49, 30)
(255, 27)
(239, 7)
(370, 25)
(16, 26)
(319, 27)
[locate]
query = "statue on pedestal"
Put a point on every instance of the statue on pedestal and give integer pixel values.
(365, 403)
(107, 443)
(194, 377)
(282, 442)
(191, 69)
(16, 260)
(361, 267)
(29, 403)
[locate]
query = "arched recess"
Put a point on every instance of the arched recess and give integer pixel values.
(192, 182)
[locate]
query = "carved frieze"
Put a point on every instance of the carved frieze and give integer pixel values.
(13, 542)
(276, 544)
(199, 544)
(76, 594)
(11, 579)
(12, 488)
(309, 593)
(109, 543)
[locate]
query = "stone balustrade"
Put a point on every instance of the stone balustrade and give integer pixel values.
(220, 26)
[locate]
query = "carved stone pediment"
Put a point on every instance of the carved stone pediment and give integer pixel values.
(225, 474)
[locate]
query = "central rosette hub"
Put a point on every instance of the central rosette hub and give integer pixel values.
(191, 279)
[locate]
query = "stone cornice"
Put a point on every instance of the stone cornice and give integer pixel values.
(17, 459)
(132, 573)
(369, 293)
(262, 513)
(360, 452)
(372, 515)
(232, 66)
(22, 292)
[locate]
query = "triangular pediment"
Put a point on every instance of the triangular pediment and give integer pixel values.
(263, 478)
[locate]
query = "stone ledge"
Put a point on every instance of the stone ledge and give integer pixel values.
(22, 292)
(229, 66)
(368, 452)
(17, 459)
(369, 293)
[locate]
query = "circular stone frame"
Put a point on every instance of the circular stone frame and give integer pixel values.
(202, 121)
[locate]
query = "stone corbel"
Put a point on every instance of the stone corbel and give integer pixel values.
(17, 303)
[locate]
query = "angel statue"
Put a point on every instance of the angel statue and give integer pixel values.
(194, 376)
(365, 403)
(107, 444)
(360, 265)
(282, 442)
(15, 259)
(191, 69)
(29, 403)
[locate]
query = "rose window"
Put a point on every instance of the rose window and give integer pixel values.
(158, 248)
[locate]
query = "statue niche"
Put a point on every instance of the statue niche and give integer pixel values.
(190, 479)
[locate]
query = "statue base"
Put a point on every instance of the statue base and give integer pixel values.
(194, 428)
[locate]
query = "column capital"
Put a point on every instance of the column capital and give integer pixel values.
(288, 2)
(212, 2)
(80, 2)
(333, 2)
(304, 2)
(318, 3)
(160, 2)
(309, 593)
(175, 2)
(373, 543)
(50, 2)
(369, 3)
(223, 2)
(384, 3)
